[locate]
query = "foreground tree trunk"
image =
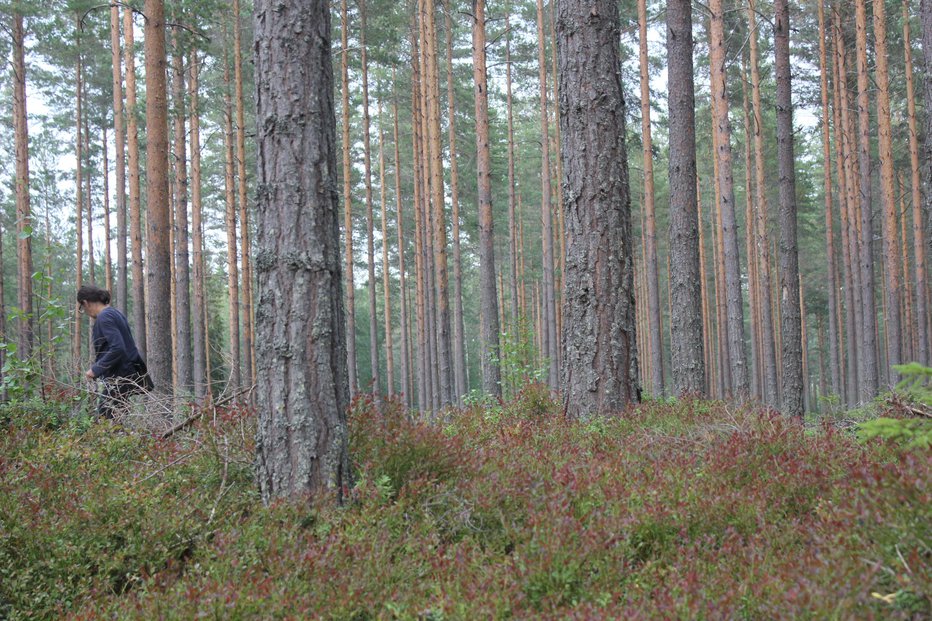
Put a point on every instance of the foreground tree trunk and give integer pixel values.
(488, 303)
(688, 367)
(302, 389)
(158, 205)
(600, 370)
(23, 209)
(791, 330)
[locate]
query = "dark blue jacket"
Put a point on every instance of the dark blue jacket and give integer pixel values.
(114, 348)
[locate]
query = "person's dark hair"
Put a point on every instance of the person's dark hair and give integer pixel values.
(90, 293)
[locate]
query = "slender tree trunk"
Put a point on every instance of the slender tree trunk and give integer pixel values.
(907, 337)
(89, 196)
(888, 189)
(199, 307)
(108, 265)
(26, 337)
(654, 319)
(386, 280)
(79, 195)
(709, 365)
(241, 192)
(512, 198)
(406, 386)
(770, 390)
(230, 218)
(726, 199)
(753, 292)
(301, 443)
(488, 304)
(686, 347)
(423, 348)
(158, 203)
(868, 351)
(119, 158)
(459, 343)
(791, 331)
(829, 219)
(348, 205)
(921, 340)
(375, 385)
(185, 364)
(600, 370)
(926, 20)
(803, 347)
(444, 353)
(135, 198)
(549, 332)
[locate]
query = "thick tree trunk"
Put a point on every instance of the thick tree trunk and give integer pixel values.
(135, 198)
(734, 303)
(303, 385)
(459, 339)
(230, 219)
(654, 320)
(791, 331)
(184, 363)
(832, 285)
(891, 283)
(919, 268)
(549, 331)
(25, 333)
(249, 356)
(867, 357)
(348, 205)
(158, 202)
(374, 385)
(686, 347)
(488, 297)
(201, 376)
(600, 369)
(119, 158)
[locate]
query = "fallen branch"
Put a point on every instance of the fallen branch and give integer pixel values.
(200, 412)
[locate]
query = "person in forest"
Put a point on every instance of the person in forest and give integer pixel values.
(117, 361)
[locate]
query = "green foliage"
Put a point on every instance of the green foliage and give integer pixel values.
(911, 433)
(916, 382)
(520, 361)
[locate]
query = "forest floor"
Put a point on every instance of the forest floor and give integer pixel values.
(689, 510)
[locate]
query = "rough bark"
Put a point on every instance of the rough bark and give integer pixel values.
(919, 268)
(135, 197)
(867, 353)
(686, 348)
(201, 376)
(158, 202)
(600, 371)
(184, 362)
(791, 331)
(891, 283)
(348, 204)
(25, 332)
(488, 297)
(302, 392)
(119, 158)
(652, 274)
(549, 331)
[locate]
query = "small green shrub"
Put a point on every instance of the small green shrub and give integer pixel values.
(910, 433)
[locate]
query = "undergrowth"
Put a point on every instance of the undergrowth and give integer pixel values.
(688, 509)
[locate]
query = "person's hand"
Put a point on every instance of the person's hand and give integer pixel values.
(89, 374)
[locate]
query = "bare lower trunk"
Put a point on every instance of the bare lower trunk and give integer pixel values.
(686, 347)
(185, 379)
(119, 158)
(26, 322)
(201, 376)
(230, 218)
(302, 392)
(348, 207)
(135, 198)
